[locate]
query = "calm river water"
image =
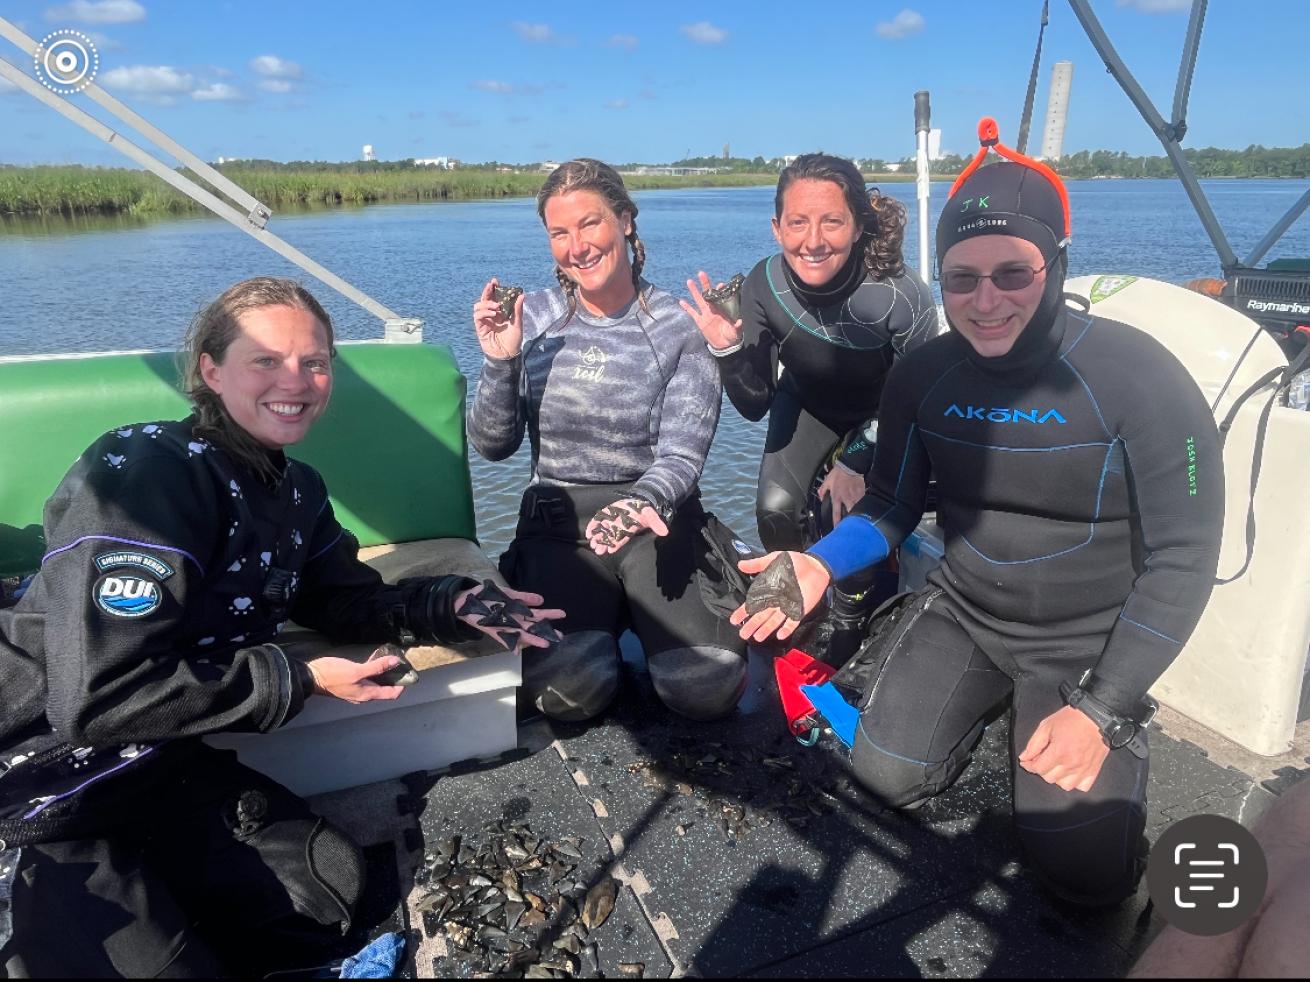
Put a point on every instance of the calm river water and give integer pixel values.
(107, 284)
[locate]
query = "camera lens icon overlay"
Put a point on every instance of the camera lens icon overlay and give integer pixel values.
(66, 61)
(1207, 875)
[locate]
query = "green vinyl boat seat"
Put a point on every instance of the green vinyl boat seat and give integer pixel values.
(391, 446)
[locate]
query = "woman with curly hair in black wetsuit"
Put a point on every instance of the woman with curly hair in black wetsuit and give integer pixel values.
(821, 323)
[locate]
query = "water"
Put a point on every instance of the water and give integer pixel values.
(101, 284)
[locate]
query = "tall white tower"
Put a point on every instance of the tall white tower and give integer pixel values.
(1057, 110)
(368, 152)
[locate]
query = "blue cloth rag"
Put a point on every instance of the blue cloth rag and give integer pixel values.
(377, 960)
(840, 714)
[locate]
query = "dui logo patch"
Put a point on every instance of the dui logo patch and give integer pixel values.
(124, 595)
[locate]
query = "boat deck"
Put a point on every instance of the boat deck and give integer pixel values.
(739, 852)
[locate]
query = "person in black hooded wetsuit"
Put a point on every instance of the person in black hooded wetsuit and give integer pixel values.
(176, 551)
(832, 310)
(1081, 490)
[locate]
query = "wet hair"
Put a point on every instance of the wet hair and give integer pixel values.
(881, 217)
(586, 174)
(211, 333)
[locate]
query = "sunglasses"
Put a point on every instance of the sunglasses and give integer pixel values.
(1009, 279)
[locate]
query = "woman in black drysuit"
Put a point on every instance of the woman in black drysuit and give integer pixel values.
(612, 385)
(1082, 495)
(832, 310)
(176, 550)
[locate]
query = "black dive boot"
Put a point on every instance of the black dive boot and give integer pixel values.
(847, 622)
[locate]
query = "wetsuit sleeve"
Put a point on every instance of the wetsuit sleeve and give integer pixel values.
(496, 420)
(918, 323)
(857, 450)
(913, 321)
(897, 485)
(749, 371)
(124, 577)
(1177, 481)
(687, 421)
(347, 600)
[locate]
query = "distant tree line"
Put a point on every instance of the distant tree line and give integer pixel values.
(1254, 161)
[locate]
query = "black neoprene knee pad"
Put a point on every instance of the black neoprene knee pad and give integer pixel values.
(778, 517)
(575, 679)
(701, 682)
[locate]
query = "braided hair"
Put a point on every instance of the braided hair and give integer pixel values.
(882, 217)
(586, 174)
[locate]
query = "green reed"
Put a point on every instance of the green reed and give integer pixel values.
(52, 190)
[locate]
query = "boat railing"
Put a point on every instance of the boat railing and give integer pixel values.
(253, 221)
(1171, 132)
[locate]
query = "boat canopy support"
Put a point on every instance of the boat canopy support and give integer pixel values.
(1171, 133)
(252, 221)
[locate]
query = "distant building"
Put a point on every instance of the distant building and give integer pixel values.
(893, 167)
(445, 163)
(647, 170)
(368, 153)
(547, 166)
(1057, 110)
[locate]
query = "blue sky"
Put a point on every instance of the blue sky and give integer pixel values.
(518, 82)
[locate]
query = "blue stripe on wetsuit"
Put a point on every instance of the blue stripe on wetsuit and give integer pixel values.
(853, 546)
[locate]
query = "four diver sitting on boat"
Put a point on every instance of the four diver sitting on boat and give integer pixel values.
(1081, 498)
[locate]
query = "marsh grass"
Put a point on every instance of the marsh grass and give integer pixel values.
(73, 190)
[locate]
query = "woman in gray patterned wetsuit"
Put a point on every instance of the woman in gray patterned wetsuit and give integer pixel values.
(614, 387)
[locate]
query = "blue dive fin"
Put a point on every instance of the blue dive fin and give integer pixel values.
(840, 714)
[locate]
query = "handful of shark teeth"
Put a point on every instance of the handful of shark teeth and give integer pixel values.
(512, 904)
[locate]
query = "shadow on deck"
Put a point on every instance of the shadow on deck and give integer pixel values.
(741, 853)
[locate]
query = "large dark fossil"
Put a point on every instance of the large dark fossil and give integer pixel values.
(506, 296)
(777, 587)
(726, 297)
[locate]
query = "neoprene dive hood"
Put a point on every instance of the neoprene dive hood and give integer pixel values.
(1022, 197)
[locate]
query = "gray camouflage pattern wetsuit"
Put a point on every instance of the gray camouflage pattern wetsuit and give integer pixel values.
(613, 407)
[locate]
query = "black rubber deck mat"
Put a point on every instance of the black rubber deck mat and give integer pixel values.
(539, 793)
(993, 931)
(742, 852)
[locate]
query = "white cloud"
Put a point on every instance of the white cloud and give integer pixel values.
(278, 85)
(904, 24)
(490, 85)
(1157, 6)
(703, 32)
(157, 83)
(271, 66)
(617, 104)
(533, 33)
(628, 41)
(99, 12)
(217, 92)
